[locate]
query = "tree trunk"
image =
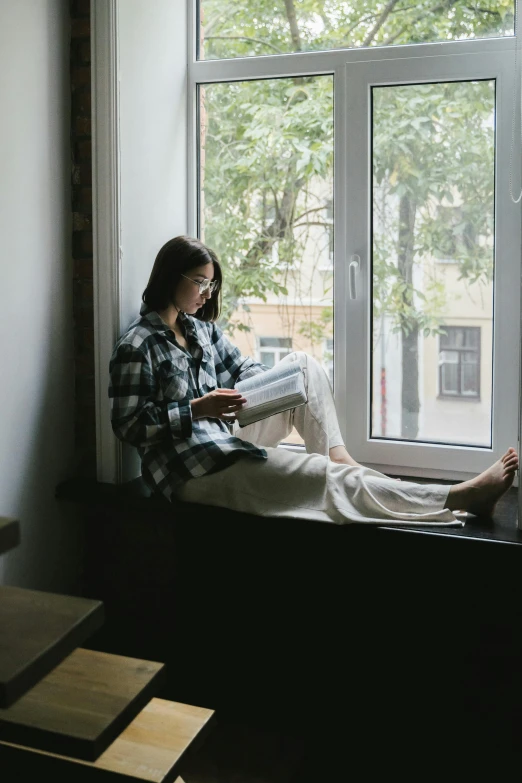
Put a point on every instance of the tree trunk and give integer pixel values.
(294, 28)
(410, 402)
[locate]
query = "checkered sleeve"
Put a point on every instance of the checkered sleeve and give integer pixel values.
(231, 366)
(137, 416)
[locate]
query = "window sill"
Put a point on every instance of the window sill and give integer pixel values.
(457, 398)
(501, 530)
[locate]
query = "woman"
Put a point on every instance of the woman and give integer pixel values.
(172, 377)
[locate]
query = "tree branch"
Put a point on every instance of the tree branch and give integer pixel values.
(380, 21)
(482, 10)
(442, 7)
(243, 38)
(362, 19)
(309, 211)
(292, 21)
(369, 17)
(313, 223)
(283, 220)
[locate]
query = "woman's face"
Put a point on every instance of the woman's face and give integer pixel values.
(187, 297)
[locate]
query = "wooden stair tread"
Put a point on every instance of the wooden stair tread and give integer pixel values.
(9, 534)
(39, 630)
(81, 706)
(150, 749)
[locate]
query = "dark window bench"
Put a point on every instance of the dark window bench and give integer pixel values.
(323, 622)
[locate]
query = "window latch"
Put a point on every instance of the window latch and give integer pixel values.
(352, 275)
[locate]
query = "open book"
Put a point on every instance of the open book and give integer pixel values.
(270, 392)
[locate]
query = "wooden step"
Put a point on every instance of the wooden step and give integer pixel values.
(37, 631)
(150, 749)
(83, 704)
(9, 534)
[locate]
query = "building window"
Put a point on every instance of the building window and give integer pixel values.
(273, 349)
(459, 362)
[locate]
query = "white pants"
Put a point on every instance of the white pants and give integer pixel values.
(316, 422)
(311, 486)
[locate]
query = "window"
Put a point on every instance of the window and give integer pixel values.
(271, 142)
(459, 362)
(243, 28)
(273, 349)
(422, 212)
(346, 168)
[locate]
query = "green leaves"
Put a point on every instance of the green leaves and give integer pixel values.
(433, 150)
(267, 153)
(268, 160)
(242, 28)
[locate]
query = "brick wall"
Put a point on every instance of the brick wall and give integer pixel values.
(80, 65)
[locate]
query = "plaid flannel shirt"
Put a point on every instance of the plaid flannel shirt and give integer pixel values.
(153, 379)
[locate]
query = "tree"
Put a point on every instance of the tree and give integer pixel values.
(270, 142)
(267, 145)
(241, 28)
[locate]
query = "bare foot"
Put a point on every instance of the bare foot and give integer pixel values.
(480, 495)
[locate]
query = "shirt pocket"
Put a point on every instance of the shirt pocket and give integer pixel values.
(174, 378)
(207, 374)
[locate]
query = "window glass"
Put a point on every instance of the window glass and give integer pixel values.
(433, 261)
(271, 142)
(245, 28)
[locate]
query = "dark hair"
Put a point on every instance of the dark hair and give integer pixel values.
(177, 257)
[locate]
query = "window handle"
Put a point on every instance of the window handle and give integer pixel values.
(352, 275)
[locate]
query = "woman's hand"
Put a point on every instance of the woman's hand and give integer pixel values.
(217, 404)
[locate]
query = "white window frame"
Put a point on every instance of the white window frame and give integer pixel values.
(107, 283)
(425, 458)
(355, 72)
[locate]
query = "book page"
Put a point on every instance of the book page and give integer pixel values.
(284, 387)
(268, 377)
(288, 392)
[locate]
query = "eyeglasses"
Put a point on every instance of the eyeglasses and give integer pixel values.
(204, 285)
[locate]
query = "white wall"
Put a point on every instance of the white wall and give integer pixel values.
(153, 136)
(37, 361)
(152, 38)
